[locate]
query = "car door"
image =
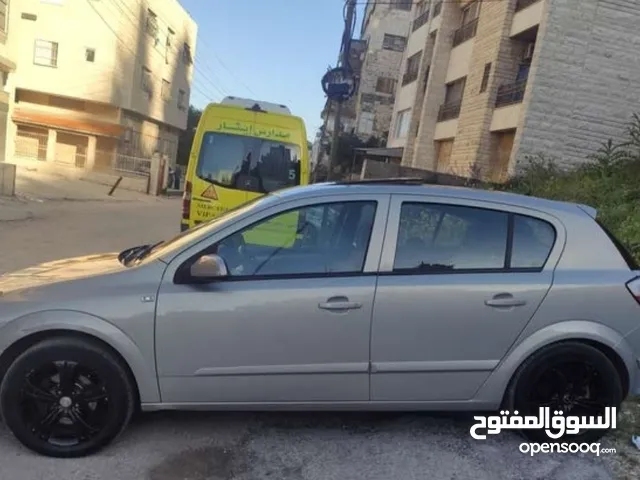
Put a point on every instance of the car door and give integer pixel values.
(458, 283)
(291, 323)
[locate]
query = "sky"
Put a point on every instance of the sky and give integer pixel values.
(271, 50)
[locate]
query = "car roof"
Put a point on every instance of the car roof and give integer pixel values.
(417, 187)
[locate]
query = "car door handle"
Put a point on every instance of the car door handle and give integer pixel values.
(504, 301)
(339, 304)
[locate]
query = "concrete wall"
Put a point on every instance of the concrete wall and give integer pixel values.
(379, 62)
(583, 84)
(121, 46)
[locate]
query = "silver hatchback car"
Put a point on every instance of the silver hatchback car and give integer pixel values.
(383, 295)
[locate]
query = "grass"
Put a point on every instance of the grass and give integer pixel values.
(610, 182)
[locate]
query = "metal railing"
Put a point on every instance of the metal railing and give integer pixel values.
(31, 146)
(465, 32)
(449, 111)
(511, 93)
(437, 8)
(132, 165)
(420, 21)
(522, 4)
(409, 77)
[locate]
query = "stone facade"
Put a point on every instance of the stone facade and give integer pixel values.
(572, 90)
(374, 109)
(584, 74)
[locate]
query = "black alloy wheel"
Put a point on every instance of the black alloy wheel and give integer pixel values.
(66, 397)
(573, 378)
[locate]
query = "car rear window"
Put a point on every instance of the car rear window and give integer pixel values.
(624, 251)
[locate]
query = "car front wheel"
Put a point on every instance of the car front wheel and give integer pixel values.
(66, 397)
(573, 378)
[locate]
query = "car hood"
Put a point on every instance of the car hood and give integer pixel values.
(60, 271)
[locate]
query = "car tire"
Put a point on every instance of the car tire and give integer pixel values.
(538, 382)
(66, 397)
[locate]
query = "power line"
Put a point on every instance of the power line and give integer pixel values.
(175, 50)
(246, 87)
(128, 48)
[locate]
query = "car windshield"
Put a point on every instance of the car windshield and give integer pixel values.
(248, 163)
(199, 231)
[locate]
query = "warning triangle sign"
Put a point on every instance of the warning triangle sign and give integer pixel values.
(210, 192)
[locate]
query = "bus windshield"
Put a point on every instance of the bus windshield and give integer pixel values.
(248, 163)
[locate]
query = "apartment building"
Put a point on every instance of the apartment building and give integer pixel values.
(7, 67)
(500, 82)
(385, 30)
(101, 85)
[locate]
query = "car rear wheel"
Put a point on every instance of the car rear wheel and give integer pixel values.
(574, 378)
(66, 397)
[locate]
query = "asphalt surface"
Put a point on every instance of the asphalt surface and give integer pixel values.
(301, 446)
(243, 446)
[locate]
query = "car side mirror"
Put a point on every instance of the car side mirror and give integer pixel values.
(209, 266)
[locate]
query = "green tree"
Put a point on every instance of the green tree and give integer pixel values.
(186, 137)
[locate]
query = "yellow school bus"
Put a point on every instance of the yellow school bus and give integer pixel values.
(242, 149)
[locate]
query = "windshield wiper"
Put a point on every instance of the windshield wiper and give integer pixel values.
(138, 253)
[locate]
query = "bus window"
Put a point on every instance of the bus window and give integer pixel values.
(248, 163)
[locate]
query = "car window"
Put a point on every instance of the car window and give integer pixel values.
(433, 238)
(320, 239)
(532, 242)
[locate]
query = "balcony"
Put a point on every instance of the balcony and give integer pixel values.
(449, 111)
(420, 21)
(437, 8)
(466, 32)
(409, 77)
(511, 93)
(522, 4)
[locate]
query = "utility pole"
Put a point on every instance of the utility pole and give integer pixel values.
(350, 9)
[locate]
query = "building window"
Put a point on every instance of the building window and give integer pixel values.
(90, 55)
(386, 85)
(3, 15)
(182, 100)
(485, 77)
(45, 53)
(169, 44)
(468, 24)
(365, 123)
(412, 68)
(402, 4)
(452, 100)
(402, 123)
(152, 23)
(186, 54)
(147, 82)
(165, 93)
(470, 13)
(397, 43)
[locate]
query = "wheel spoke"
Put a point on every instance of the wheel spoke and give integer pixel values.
(50, 419)
(37, 393)
(94, 393)
(67, 372)
(81, 424)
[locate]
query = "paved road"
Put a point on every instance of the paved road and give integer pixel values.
(243, 446)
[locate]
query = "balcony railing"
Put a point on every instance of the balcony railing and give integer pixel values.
(522, 4)
(449, 111)
(437, 8)
(409, 77)
(419, 21)
(465, 32)
(511, 93)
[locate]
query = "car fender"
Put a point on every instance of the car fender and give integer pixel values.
(82, 322)
(493, 389)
